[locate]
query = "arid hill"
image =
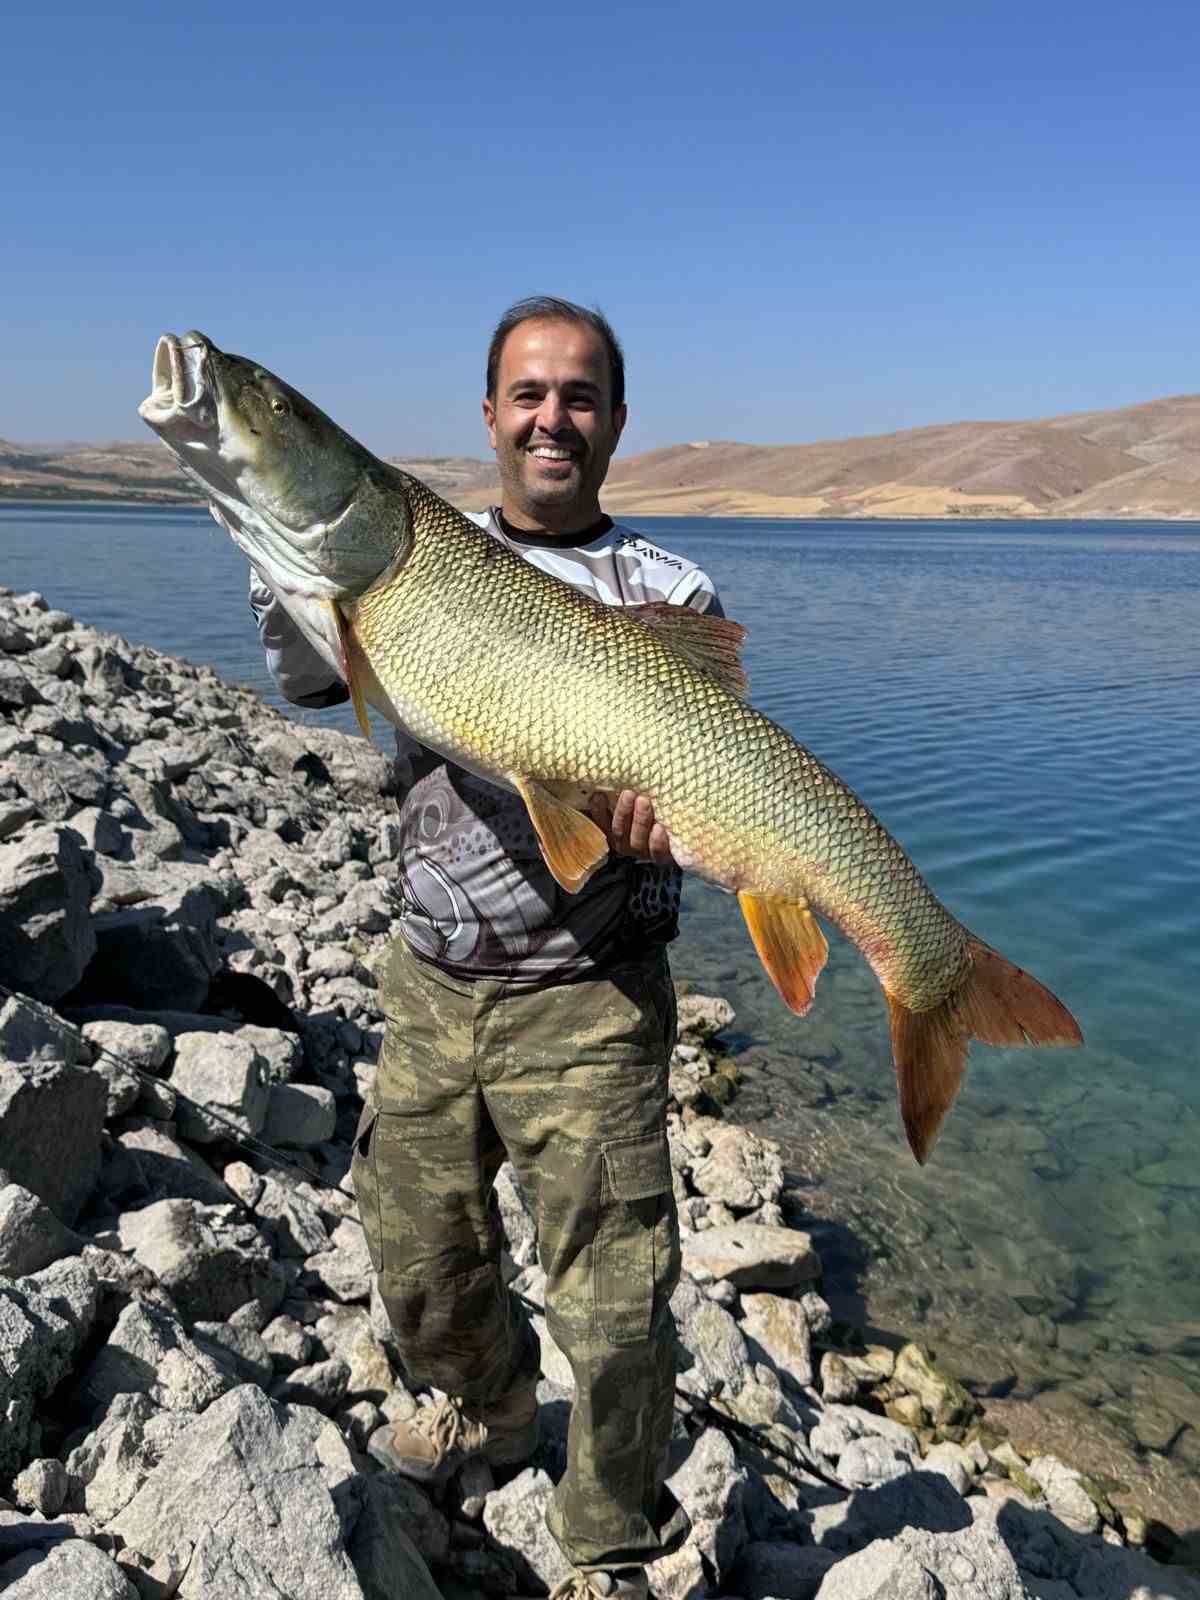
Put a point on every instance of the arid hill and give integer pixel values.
(1138, 461)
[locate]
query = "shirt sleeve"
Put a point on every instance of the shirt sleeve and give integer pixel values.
(298, 672)
(696, 589)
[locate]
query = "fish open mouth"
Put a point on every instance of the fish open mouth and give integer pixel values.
(180, 379)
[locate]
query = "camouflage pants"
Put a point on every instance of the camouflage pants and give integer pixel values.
(571, 1083)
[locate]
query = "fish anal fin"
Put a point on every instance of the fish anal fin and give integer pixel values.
(351, 659)
(711, 644)
(929, 1049)
(790, 945)
(572, 845)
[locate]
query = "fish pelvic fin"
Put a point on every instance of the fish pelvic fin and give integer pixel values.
(997, 1003)
(348, 650)
(573, 847)
(790, 945)
(711, 644)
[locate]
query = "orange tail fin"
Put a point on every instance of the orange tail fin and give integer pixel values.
(997, 1003)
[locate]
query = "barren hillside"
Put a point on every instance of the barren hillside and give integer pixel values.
(1138, 461)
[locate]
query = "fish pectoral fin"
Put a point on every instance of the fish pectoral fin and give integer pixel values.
(790, 945)
(347, 649)
(711, 644)
(572, 845)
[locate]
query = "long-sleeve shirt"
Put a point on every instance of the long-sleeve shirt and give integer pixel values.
(476, 898)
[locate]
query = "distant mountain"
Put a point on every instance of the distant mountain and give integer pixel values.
(1138, 461)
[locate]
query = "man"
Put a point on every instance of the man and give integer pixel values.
(527, 1022)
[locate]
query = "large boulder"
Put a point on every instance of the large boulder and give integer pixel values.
(150, 1354)
(265, 1496)
(47, 881)
(109, 1467)
(159, 953)
(31, 1236)
(69, 1570)
(751, 1256)
(222, 1071)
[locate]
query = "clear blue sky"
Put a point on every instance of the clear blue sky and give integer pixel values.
(805, 221)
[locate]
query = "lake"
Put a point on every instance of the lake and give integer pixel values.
(1018, 703)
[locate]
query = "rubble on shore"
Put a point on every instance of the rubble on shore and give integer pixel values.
(195, 899)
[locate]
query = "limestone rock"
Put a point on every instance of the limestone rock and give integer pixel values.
(344, 1270)
(161, 953)
(47, 881)
(148, 1163)
(778, 1329)
(701, 1016)
(515, 1516)
(207, 1260)
(45, 1320)
(150, 1354)
(42, 1486)
(711, 1487)
(109, 1466)
(263, 1495)
(1065, 1494)
(225, 1072)
(386, 1560)
(751, 1256)
(51, 1122)
(720, 1358)
(70, 1570)
(31, 1236)
(299, 1116)
(838, 1383)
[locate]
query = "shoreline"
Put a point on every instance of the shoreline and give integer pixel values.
(951, 519)
(218, 882)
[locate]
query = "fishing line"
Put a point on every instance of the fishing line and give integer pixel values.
(692, 1403)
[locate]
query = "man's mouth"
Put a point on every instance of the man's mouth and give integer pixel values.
(552, 454)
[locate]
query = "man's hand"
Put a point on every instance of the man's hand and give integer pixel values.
(630, 828)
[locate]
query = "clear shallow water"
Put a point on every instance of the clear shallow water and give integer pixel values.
(1018, 703)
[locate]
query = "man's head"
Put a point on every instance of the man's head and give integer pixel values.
(554, 409)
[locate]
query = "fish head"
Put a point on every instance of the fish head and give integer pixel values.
(298, 495)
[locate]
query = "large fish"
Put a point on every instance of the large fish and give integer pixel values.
(531, 684)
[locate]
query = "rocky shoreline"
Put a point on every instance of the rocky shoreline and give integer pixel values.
(195, 893)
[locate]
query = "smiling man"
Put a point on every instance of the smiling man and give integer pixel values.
(527, 1023)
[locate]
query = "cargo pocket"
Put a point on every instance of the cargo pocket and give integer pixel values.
(637, 1241)
(366, 1184)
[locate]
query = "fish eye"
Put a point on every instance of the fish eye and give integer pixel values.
(280, 407)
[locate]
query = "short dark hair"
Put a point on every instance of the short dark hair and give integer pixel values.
(548, 307)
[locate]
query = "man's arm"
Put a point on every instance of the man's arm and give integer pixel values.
(299, 673)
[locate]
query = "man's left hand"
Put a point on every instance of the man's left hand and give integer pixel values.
(630, 828)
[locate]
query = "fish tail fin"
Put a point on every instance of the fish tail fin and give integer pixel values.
(998, 1003)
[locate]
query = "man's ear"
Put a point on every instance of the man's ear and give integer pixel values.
(620, 417)
(489, 420)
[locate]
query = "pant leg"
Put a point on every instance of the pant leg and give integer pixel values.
(426, 1155)
(576, 1081)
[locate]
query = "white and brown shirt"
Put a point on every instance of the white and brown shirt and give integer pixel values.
(475, 895)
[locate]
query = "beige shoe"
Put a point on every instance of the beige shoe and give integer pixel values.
(630, 1583)
(442, 1436)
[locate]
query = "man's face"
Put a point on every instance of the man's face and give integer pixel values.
(551, 422)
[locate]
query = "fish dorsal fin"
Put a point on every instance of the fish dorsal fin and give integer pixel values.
(573, 846)
(711, 644)
(790, 945)
(346, 651)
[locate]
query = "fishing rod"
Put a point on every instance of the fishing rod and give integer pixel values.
(692, 1404)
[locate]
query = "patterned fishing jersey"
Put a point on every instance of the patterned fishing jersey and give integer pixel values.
(475, 896)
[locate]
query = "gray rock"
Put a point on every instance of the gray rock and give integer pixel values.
(777, 1570)
(345, 1270)
(150, 1353)
(1065, 1494)
(161, 953)
(751, 1256)
(42, 1486)
(70, 1570)
(883, 1571)
(710, 1485)
(299, 1116)
(323, 1385)
(678, 1576)
(207, 1260)
(51, 1122)
(264, 1495)
(44, 1322)
(916, 1500)
(872, 1460)
(47, 881)
(347, 1332)
(720, 1359)
(237, 1347)
(701, 1016)
(225, 1072)
(386, 1560)
(100, 831)
(515, 1516)
(407, 1504)
(290, 1344)
(108, 1467)
(31, 1236)
(147, 1163)
(520, 1230)
(817, 1313)
(300, 1229)
(1109, 1573)
(777, 1330)
(282, 1052)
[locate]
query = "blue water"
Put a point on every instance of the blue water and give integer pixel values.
(1018, 703)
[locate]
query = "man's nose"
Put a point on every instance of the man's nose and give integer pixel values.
(552, 414)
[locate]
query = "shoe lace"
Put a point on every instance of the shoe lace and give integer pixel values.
(444, 1423)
